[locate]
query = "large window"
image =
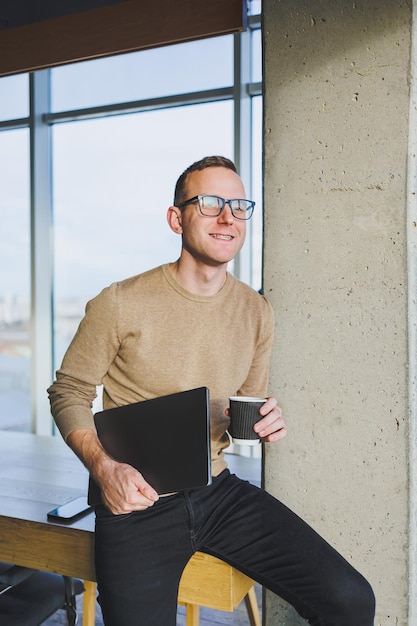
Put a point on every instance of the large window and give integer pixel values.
(108, 139)
(14, 281)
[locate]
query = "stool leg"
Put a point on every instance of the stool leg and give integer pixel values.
(252, 608)
(89, 603)
(192, 615)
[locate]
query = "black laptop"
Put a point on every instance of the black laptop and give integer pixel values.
(167, 439)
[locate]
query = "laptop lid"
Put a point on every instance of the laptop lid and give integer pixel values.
(167, 439)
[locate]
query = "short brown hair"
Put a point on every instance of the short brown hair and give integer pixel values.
(209, 161)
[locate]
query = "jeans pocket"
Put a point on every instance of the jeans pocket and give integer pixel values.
(104, 516)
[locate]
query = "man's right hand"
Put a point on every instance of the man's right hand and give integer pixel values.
(123, 488)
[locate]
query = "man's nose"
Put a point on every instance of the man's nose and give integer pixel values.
(226, 215)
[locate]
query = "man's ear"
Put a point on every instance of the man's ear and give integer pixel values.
(174, 219)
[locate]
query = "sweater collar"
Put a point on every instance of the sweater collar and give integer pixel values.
(221, 294)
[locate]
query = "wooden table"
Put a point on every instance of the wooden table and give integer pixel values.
(36, 474)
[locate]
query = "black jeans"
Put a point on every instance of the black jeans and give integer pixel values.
(140, 556)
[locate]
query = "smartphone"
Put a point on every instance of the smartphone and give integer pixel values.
(70, 511)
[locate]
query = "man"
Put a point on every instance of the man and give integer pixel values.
(183, 325)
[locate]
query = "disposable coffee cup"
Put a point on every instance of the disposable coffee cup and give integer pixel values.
(244, 413)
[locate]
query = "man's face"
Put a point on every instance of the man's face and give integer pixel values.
(213, 240)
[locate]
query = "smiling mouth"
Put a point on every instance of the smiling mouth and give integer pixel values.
(223, 237)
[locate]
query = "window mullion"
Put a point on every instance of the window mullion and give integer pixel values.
(243, 141)
(41, 252)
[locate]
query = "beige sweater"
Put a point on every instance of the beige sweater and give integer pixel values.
(147, 337)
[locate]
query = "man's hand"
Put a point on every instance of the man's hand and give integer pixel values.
(272, 425)
(123, 488)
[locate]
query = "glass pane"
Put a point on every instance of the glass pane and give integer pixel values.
(14, 97)
(255, 7)
(204, 64)
(14, 281)
(256, 58)
(114, 179)
(257, 232)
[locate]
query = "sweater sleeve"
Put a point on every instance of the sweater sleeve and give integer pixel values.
(85, 363)
(257, 381)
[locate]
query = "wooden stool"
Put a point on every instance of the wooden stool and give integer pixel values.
(208, 581)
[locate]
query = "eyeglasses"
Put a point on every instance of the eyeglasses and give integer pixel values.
(212, 206)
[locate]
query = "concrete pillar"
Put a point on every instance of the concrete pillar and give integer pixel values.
(339, 275)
